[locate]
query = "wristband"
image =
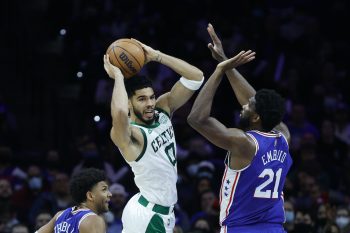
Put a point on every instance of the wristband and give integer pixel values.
(191, 84)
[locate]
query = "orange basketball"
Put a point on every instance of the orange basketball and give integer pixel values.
(127, 55)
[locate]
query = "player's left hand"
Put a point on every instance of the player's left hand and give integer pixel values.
(240, 59)
(111, 70)
(216, 49)
(150, 53)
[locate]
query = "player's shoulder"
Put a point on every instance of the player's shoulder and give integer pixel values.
(57, 215)
(162, 110)
(283, 129)
(239, 140)
(92, 223)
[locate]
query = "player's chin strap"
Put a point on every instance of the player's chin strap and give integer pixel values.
(191, 84)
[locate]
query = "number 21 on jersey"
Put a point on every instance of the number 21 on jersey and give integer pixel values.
(260, 192)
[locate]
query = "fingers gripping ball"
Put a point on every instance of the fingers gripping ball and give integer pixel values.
(127, 55)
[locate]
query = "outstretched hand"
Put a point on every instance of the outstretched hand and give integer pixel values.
(217, 51)
(150, 53)
(111, 70)
(240, 59)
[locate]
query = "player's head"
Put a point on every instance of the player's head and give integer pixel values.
(142, 99)
(90, 187)
(266, 109)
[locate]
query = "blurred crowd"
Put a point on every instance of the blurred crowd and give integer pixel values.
(55, 103)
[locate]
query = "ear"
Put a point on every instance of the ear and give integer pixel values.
(255, 118)
(89, 196)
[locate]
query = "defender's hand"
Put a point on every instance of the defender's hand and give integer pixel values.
(240, 59)
(217, 50)
(150, 53)
(111, 70)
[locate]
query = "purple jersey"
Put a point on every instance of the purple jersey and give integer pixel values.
(253, 195)
(69, 220)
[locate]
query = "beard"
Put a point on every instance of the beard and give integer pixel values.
(102, 209)
(243, 123)
(138, 114)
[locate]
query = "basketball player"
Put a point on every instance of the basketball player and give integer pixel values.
(147, 142)
(90, 190)
(258, 158)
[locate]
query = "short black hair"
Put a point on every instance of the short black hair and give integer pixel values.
(136, 83)
(83, 182)
(271, 108)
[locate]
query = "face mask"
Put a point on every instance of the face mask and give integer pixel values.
(109, 217)
(192, 169)
(289, 216)
(35, 183)
(342, 221)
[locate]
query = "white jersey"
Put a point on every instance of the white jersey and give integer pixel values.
(155, 169)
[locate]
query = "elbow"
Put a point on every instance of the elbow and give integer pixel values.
(190, 120)
(193, 120)
(199, 75)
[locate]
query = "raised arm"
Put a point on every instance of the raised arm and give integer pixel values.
(128, 139)
(190, 81)
(200, 119)
(242, 89)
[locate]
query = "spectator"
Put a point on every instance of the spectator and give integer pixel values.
(290, 216)
(114, 215)
(303, 223)
(19, 228)
(24, 198)
(8, 218)
(58, 198)
(201, 225)
(41, 219)
(331, 228)
(5, 192)
(323, 218)
(342, 219)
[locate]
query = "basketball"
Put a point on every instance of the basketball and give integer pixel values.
(127, 55)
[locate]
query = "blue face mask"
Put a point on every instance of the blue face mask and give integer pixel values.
(109, 217)
(342, 221)
(192, 169)
(35, 183)
(289, 216)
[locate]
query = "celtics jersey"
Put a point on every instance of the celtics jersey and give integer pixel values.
(155, 169)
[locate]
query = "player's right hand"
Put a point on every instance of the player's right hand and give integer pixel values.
(150, 53)
(217, 51)
(240, 59)
(111, 70)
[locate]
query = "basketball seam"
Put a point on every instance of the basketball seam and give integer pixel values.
(137, 45)
(130, 55)
(122, 67)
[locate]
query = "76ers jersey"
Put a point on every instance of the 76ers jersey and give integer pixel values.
(69, 220)
(254, 195)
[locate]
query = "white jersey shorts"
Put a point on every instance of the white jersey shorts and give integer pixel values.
(141, 216)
